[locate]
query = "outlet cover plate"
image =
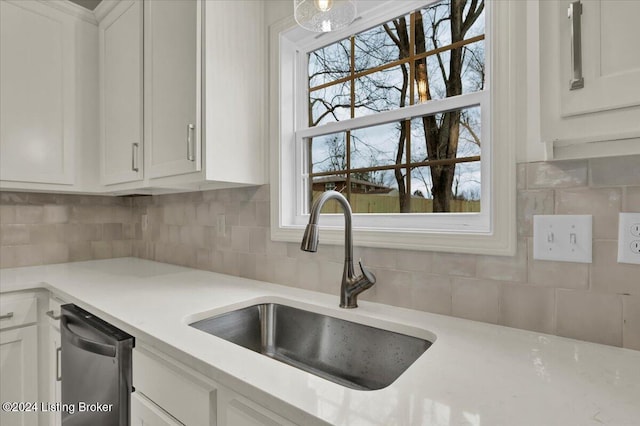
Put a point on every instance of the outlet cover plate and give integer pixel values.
(564, 238)
(629, 238)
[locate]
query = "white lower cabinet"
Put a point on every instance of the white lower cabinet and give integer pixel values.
(19, 360)
(184, 395)
(19, 384)
(235, 410)
(168, 393)
(145, 413)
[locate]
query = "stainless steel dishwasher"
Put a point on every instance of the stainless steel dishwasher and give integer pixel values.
(95, 369)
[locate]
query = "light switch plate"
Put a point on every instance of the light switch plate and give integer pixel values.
(629, 238)
(565, 238)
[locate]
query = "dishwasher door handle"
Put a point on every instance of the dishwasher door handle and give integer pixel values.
(87, 344)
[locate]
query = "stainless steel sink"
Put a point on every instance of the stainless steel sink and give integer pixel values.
(351, 354)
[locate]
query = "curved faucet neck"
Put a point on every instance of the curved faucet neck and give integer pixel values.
(348, 227)
(352, 284)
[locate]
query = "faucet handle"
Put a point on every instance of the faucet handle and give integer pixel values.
(367, 273)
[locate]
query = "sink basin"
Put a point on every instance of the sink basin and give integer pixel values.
(351, 354)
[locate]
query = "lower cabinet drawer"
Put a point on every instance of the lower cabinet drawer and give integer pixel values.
(17, 310)
(145, 413)
(173, 389)
(236, 410)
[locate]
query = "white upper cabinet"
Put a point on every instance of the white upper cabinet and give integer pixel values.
(173, 63)
(48, 107)
(37, 85)
(594, 43)
(115, 100)
(236, 82)
(204, 89)
(121, 94)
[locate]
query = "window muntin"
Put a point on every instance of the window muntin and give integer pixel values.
(396, 66)
(373, 166)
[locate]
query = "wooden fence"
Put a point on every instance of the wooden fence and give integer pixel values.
(384, 203)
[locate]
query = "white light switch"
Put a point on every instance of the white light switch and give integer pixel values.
(566, 238)
(629, 238)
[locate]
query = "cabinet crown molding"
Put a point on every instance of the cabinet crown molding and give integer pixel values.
(103, 9)
(72, 9)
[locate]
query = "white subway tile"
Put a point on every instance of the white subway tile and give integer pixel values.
(528, 307)
(593, 317)
(475, 299)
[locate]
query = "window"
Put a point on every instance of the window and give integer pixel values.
(397, 116)
(419, 165)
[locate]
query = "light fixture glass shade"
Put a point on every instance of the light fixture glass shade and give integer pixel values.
(324, 15)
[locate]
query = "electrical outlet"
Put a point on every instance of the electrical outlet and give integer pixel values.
(629, 238)
(565, 238)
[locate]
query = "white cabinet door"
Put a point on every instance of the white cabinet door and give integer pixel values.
(121, 83)
(37, 81)
(168, 392)
(19, 372)
(600, 118)
(172, 68)
(235, 410)
(235, 91)
(146, 413)
(173, 387)
(610, 57)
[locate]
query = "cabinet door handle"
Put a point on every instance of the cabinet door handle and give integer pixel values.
(190, 143)
(574, 13)
(6, 316)
(134, 157)
(58, 375)
(51, 315)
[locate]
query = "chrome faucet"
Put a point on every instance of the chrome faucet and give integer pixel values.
(352, 284)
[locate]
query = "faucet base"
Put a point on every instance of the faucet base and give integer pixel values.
(345, 306)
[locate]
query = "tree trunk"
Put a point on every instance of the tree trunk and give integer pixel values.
(404, 199)
(443, 142)
(441, 134)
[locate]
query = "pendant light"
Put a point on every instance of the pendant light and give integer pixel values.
(324, 15)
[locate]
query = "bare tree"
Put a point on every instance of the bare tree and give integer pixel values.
(449, 72)
(442, 135)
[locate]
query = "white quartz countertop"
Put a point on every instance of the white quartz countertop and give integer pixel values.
(473, 374)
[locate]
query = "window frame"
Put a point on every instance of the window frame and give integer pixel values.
(492, 231)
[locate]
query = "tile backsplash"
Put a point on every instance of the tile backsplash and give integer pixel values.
(38, 229)
(598, 302)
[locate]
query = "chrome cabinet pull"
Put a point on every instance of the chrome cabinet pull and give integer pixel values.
(574, 12)
(51, 315)
(190, 143)
(134, 157)
(58, 375)
(6, 316)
